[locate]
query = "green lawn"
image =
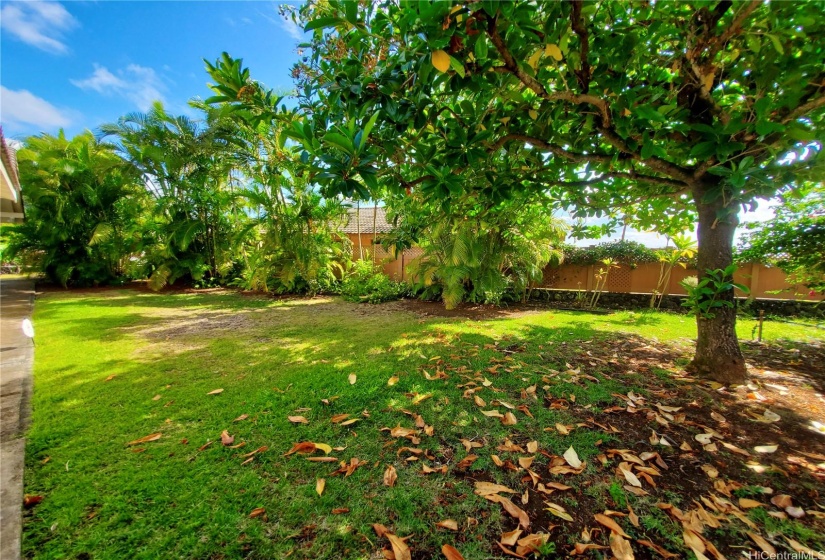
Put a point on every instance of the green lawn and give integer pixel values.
(114, 366)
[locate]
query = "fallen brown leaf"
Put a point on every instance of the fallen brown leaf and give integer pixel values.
(304, 447)
(450, 524)
(390, 476)
(510, 538)
(215, 392)
(451, 553)
(226, 439)
(146, 439)
(320, 484)
(297, 419)
(572, 458)
(762, 543)
(620, 547)
(257, 512)
(31, 501)
(466, 462)
(488, 488)
(610, 524)
(399, 547)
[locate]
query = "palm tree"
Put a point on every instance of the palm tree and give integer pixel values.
(186, 165)
(82, 204)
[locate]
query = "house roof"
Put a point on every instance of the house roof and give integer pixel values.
(368, 214)
(11, 198)
(9, 158)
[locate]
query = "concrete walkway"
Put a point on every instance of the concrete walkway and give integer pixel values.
(16, 356)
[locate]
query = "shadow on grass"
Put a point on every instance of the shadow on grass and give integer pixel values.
(288, 357)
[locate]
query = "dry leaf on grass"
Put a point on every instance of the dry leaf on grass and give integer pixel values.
(241, 417)
(510, 538)
(747, 503)
(215, 392)
(399, 547)
(146, 439)
(392, 380)
(469, 445)
(511, 508)
(489, 488)
(226, 439)
(450, 524)
(620, 547)
(450, 553)
(631, 478)
(297, 419)
(352, 378)
(31, 501)
(572, 458)
(558, 511)
(466, 462)
(766, 448)
(782, 501)
(610, 524)
(762, 543)
(257, 512)
(390, 476)
(320, 484)
(581, 548)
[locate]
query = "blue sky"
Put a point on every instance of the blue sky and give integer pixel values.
(76, 65)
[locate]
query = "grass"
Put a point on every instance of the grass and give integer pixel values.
(113, 366)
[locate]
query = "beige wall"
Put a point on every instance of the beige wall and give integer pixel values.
(763, 281)
(760, 279)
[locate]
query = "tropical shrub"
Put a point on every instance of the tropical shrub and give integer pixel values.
(794, 240)
(82, 202)
(292, 241)
(631, 253)
(294, 245)
(366, 282)
(477, 251)
(195, 214)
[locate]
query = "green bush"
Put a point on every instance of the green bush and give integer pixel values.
(624, 252)
(365, 282)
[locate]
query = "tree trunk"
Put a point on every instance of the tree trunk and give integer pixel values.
(358, 225)
(718, 355)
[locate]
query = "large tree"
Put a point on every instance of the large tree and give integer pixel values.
(675, 112)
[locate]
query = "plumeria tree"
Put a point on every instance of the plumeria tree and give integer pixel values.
(675, 113)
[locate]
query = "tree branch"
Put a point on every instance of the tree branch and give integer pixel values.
(555, 150)
(656, 164)
(600, 158)
(804, 109)
(580, 29)
(735, 27)
(510, 65)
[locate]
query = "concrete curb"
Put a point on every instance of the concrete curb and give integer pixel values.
(16, 358)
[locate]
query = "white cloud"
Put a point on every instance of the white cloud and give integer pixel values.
(40, 24)
(292, 29)
(139, 84)
(23, 107)
(284, 22)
